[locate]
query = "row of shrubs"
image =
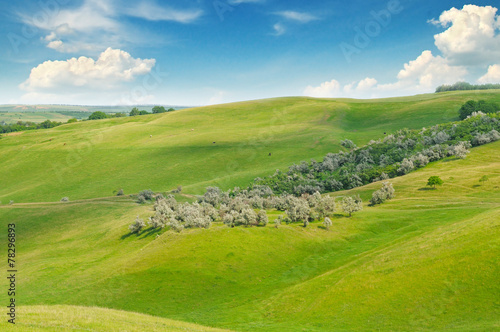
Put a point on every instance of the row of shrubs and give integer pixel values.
(248, 209)
(394, 155)
(298, 192)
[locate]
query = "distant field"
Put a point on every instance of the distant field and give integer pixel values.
(425, 261)
(225, 145)
(60, 113)
(13, 117)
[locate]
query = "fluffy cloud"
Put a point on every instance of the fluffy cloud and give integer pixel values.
(366, 84)
(421, 75)
(325, 90)
(107, 72)
(472, 36)
(428, 71)
(492, 76)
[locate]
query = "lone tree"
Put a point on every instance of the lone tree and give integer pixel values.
(385, 193)
(483, 179)
(327, 223)
(137, 226)
(434, 181)
(348, 144)
(134, 111)
(159, 109)
(351, 204)
(98, 116)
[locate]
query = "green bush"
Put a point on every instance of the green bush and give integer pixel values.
(473, 106)
(98, 116)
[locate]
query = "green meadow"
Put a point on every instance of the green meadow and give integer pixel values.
(226, 145)
(428, 260)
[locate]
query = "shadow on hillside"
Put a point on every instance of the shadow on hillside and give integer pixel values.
(142, 235)
(426, 189)
(447, 160)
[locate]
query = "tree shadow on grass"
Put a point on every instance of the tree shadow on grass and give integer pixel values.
(426, 189)
(447, 160)
(144, 234)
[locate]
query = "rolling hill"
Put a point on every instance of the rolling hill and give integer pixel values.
(225, 145)
(425, 261)
(71, 318)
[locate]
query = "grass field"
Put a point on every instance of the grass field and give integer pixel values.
(226, 145)
(425, 261)
(13, 117)
(71, 318)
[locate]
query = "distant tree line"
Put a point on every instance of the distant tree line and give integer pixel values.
(155, 110)
(134, 112)
(464, 86)
(28, 125)
(98, 115)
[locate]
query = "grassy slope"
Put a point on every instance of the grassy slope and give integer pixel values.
(427, 260)
(92, 159)
(70, 318)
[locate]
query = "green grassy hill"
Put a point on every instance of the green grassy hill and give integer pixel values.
(70, 318)
(226, 145)
(425, 261)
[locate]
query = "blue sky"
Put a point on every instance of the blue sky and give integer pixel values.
(199, 52)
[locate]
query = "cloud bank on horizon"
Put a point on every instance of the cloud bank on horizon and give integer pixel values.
(110, 51)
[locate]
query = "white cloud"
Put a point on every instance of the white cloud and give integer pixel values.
(239, 2)
(55, 44)
(492, 76)
(429, 71)
(421, 75)
(83, 74)
(279, 29)
(366, 84)
(154, 12)
(297, 16)
(325, 90)
(472, 36)
(97, 24)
